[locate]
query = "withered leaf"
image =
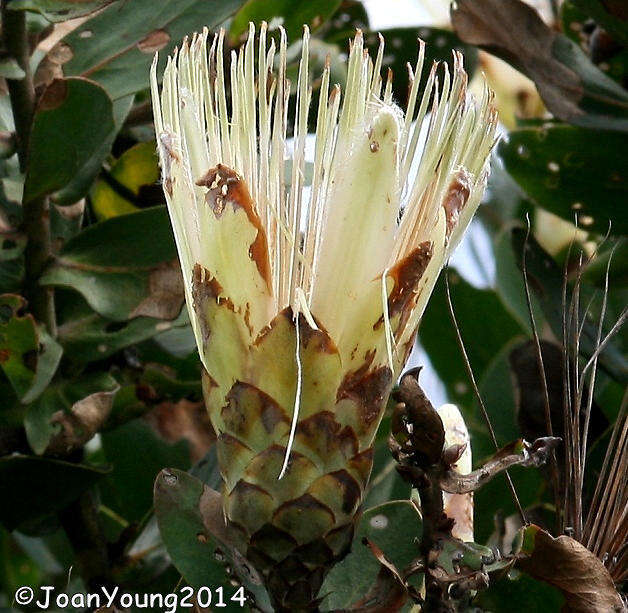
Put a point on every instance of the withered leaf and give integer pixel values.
(81, 422)
(572, 88)
(165, 293)
(569, 566)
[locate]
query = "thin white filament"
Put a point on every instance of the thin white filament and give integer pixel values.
(297, 400)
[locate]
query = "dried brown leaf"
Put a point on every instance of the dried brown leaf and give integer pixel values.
(514, 30)
(569, 566)
(165, 293)
(81, 422)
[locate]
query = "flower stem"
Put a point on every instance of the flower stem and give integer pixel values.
(36, 214)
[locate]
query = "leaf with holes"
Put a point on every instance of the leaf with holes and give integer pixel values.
(191, 523)
(32, 485)
(28, 355)
(402, 45)
(137, 274)
(131, 175)
(572, 172)
(59, 10)
(116, 47)
(393, 527)
(74, 126)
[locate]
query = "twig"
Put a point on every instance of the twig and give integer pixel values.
(36, 214)
(476, 391)
(21, 91)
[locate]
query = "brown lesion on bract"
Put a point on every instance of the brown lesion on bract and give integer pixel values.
(367, 388)
(349, 489)
(406, 274)
(324, 436)
(456, 198)
(246, 404)
(206, 288)
(225, 186)
(305, 503)
(361, 465)
(319, 338)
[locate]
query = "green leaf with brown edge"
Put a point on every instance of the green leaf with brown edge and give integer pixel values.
(28, 355)
(59, 10)
(572, 88)
(191, 524)
(73, 125)
(566, 564)
(393, 527)
(292, 15)
(116, 47)
(546, 281)
(31, 484)
(136, 168)
(572, 172)
(69, 413)
(138, 274)
(401, 48)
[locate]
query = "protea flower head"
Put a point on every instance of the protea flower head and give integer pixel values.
(305, 300)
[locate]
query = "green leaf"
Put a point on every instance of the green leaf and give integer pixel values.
(290, 14)
(546, 280)
(494, 497)
(402, 47)
(509, 284)
(136, 275)
(519, 588)
(395, 528)
(32, 485)
(385, 483)
(116, 47)
(74, 126)
(90, 337)
(572, 172)
(128, 490)
(486, 326)
(28, 355)
(59, 10)
(341, 26)
(137, 167)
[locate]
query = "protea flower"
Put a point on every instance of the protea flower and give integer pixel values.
(305, 300)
